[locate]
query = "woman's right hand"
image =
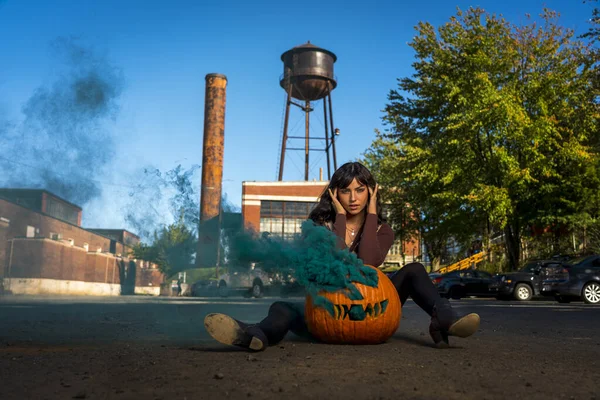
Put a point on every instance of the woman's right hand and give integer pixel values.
(339, 208)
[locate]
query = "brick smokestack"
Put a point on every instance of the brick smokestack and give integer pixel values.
(212, 170)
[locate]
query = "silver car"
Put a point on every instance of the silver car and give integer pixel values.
(253, 281)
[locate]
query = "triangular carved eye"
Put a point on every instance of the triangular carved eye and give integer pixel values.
(359, 312)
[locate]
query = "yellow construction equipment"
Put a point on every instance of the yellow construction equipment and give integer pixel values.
(466, 263)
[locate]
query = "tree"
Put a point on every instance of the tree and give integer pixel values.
(495, 126)
(163, 198)
(172, 249)
(593, 32)
(165, 212)
(413, 211)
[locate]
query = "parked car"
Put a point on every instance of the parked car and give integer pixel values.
(248, 280)
(580, 280)
(433, 275)
(288, 287)
(463, 283)
(203, 287)
(525, 283)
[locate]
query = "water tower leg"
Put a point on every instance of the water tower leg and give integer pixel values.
(326, 138)
(332, 129)
(306, 143)
(285, 128)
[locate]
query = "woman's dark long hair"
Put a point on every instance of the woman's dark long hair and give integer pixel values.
(324, 211)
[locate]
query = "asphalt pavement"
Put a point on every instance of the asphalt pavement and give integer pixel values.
(140, 347)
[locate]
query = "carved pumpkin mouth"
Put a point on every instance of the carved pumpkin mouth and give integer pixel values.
(359, 312)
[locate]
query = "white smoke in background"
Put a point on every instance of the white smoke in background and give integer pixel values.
(159, 198)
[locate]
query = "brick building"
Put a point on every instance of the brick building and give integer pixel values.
(44, 249)
(44, 202)
(280, 207)
(118, 235)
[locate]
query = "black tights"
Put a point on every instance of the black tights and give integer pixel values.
(412, 280)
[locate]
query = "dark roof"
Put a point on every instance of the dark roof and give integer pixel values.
(24, 190)
(112, 230)
(308, 46)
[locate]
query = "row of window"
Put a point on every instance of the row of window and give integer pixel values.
(284, 218)
(32, 232)
(288, 209)
(285, 227)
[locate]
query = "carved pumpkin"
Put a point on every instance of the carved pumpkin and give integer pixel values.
(372, 320)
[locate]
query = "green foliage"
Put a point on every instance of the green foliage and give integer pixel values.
(171, 250)
(163, 198)
(593, 32)
(494, 129)
(164, 211)
(493, 267)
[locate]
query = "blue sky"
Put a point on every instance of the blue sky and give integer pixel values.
(165, 49)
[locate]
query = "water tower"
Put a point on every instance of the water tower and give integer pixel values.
(308, 77)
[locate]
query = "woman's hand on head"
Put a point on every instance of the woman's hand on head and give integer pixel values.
(372, 208)
(339, 208)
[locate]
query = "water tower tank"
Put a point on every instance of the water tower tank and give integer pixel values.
(309, 69)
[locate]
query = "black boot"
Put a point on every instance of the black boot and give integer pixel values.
(232, 332)
(445, 322)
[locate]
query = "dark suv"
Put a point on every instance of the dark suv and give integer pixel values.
(463, 283)
(579, 281)
(525, 283)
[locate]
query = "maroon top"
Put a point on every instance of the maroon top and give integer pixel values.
(372, 242)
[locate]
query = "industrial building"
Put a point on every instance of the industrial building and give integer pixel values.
(45, 250)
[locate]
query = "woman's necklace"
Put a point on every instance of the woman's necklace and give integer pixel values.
(352, 230)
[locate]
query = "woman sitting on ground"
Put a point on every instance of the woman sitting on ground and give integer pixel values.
(351, 209)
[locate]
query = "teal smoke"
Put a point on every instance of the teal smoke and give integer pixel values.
(312, 257)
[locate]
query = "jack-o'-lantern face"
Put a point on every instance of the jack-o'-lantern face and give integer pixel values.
(371, 320)
(359, 312)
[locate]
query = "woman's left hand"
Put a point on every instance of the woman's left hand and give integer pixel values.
(373, 200)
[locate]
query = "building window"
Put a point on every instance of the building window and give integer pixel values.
(61, 211)
(396, 248)
(55, 236)
(283, 218)
(30, 231)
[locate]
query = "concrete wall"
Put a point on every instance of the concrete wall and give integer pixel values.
(53, 286)
(33, 286)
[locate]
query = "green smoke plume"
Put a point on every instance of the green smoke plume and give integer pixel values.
(312, 257)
